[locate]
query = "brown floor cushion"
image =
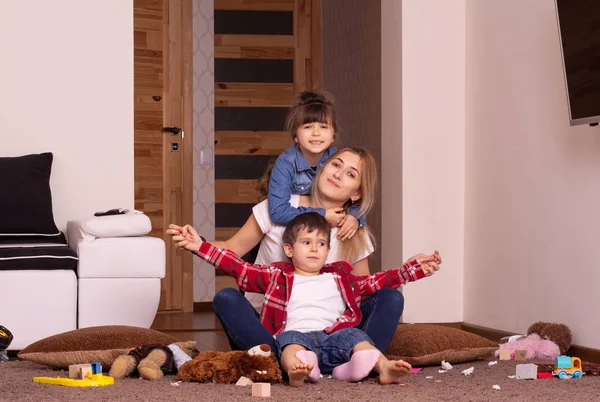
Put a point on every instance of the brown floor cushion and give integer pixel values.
(427, 345)
(93, 344)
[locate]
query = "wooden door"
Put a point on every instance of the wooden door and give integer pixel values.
(163, 161)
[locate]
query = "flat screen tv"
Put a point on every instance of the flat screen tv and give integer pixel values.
(579, 29)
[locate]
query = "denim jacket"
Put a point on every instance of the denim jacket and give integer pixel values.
(292, 175)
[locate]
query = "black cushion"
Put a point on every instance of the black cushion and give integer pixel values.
(37, 257)
(26, 201)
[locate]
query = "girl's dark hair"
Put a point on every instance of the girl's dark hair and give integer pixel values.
(309, 107)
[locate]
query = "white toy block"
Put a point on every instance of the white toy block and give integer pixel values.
(526, 371)
(243, 381)
(262, 389)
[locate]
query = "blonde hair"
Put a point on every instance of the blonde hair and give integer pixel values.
(350, 249)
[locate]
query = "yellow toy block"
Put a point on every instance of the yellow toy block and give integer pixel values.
(92, 380)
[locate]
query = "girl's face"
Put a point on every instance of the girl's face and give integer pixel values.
(341, 177)
(314, 138)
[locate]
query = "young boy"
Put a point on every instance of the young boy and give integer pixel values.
(320, 314)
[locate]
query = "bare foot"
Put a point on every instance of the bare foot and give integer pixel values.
(298, 373)
(390, 370)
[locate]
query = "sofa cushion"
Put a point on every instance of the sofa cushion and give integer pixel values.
(38, 257)
(427, 345)
(124, 225)
(26, 204)
(93, 344)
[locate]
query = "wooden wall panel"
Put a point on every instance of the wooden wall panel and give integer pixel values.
(251, 142)
(264, 5)
(252, 95)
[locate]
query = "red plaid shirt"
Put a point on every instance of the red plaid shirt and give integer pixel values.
(275, 281)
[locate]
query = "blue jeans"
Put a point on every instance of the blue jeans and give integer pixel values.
(331, 349)
(381, 314)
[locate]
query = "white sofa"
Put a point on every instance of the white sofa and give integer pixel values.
(117, 282)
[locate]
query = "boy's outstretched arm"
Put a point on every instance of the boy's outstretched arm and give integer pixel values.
(280, 191)
(249, 277)
(415, 268)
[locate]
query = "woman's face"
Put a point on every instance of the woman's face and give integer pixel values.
(341, 177)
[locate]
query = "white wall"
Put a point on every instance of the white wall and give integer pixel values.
(433, 152)
(533, 183)
(66, 80)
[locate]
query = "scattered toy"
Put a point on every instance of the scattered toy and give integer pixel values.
(496, 387)
(492, 363)
(468, 371)
(520, 355)
(446, 365)
(544, 375)
(441, 371)
(261, 389)
(79, 371)
(429, 377)
(504, 354)
(92, 380)
(243, 381)
(526, 371)
(567, 367)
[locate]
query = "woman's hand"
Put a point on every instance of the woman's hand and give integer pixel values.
(334, 216)
(348, 227)
(184, 237)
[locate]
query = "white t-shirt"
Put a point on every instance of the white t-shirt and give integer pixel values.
(315, 304)
(271, 245)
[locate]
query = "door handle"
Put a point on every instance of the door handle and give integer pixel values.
(173, 130)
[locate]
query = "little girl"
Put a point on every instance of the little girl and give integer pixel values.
(312, 124)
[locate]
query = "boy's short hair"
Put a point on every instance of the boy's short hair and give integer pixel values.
(310, 221)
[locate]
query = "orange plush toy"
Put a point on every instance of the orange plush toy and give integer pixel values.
(258, 364)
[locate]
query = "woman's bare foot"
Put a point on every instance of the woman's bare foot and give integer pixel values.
(390, 370)
(298, 373)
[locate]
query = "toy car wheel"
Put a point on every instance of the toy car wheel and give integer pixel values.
(577, 374)
(562, 374)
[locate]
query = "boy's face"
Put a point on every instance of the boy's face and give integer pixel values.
(308, 253)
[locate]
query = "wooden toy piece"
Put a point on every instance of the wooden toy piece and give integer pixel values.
(79, 371)
(520, 355)
(505, 354)
(262, 389)
(526, 371)
(243, 381)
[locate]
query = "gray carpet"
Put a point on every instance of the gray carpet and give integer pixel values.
(16, 385)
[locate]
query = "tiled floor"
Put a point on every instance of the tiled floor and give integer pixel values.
(203, 327)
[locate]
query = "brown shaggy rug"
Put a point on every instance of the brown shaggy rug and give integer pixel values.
(16, 384)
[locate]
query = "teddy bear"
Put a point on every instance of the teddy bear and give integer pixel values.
(152, 361)
(544, 341)
(257, 364)
(560, 334)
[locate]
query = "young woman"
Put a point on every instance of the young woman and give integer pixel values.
(348, 178)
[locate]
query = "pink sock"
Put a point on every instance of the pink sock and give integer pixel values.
(360, 365)
(308, 357)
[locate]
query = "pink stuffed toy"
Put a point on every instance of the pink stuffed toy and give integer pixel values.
(536, 347)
